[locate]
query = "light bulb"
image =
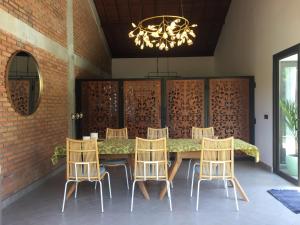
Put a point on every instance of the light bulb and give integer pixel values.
(165, 35)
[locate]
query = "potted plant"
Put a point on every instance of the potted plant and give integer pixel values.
(290, 113)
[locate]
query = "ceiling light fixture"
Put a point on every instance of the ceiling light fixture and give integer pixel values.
(163, 32)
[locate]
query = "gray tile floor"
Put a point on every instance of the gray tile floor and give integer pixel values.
(42, 206)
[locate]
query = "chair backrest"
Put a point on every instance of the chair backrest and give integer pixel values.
(156, 133)
(116, 133)
(217, 158)
(151, 159)
(82, 160)
(199, 133)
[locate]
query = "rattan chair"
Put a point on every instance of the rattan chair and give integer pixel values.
(198, 133)
(118, 134)
(156, 133)
(216, 163)
(83, 165)
(151, 163)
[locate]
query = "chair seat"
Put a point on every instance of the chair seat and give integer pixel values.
(114, 162)
(102, 170)
(197, 169)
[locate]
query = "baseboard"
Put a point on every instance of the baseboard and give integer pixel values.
(6, 202)
(266, 167)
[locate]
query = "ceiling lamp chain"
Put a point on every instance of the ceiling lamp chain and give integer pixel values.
(163, 32)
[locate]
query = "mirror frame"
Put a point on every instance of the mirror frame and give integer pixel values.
(41, 87)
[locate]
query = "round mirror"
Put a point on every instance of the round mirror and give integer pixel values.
(23, 83)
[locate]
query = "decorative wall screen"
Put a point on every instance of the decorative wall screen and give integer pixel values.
(142, 106)
(185, 106)
(229, 107)
(20, 92)
(100, 106)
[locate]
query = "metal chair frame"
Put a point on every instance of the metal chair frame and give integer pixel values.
(77, 157)
(219, 159)
(151, 163)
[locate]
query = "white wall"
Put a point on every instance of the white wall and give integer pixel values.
(183, 66)
(255, 30)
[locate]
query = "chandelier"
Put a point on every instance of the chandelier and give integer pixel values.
(163, 32)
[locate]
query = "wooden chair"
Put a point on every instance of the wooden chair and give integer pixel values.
(154, 133)
(216, 163)
(198, 133)
(118, 134)
(151, 163)
(83, 165)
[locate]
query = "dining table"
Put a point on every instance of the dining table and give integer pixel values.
(181, 148)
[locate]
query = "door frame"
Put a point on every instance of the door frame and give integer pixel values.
(276, 57)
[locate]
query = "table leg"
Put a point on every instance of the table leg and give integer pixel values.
(143, 189)
(71, 190)
(172, 172)
(241, 190)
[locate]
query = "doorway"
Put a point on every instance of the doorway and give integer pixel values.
(286, 113)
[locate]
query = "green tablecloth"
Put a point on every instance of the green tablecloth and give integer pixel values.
(174, 145)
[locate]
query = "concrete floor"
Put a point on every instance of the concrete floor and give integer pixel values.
(42, 206)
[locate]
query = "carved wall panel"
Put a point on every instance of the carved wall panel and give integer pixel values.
(19, 94)
(229, 107)
(100, 106)
(185, 106)
(142, 106)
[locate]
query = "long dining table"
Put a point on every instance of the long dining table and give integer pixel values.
(182, 148)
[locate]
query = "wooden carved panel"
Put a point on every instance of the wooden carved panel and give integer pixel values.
(229, 107)
(19, 94)
(185, 106)
(100, 106)
(142, 106)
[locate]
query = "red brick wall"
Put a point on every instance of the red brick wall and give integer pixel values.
(47, 17)
(85, 33)
(27, 142)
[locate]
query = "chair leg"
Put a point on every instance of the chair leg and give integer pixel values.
(126, 174)
(169, 194)
(132, 195)
(189, 167)
(109, 186)
(65, 192)
(235, 195)
(226, 187)
(130, 173)
(198, 189)
(171, 183)
(101, 196)
(192, 184)
(76, 189)
(95, 185)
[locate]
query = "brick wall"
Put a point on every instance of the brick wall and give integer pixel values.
(47, 17)
(27, 142)
(85, 33)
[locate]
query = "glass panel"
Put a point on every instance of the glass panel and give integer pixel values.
(288, 116)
